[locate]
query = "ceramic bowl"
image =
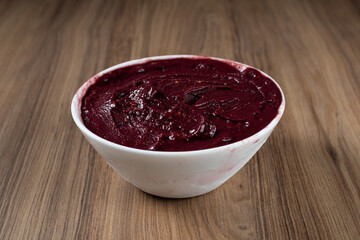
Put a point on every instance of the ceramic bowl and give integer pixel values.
(174, 174)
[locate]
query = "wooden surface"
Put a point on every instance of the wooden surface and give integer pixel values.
(303, 184)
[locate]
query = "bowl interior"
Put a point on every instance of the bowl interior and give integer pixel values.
(77, 100)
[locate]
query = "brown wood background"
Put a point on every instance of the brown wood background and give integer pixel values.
(303, 184)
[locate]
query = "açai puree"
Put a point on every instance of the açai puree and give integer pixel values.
(180, 104)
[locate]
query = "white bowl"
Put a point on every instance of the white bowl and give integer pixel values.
(174, 174)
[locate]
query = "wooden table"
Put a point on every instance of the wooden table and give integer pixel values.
(303, 184)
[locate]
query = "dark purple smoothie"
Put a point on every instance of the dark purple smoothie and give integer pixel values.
(180, 104)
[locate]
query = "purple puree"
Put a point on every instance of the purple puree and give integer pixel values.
(180, 104)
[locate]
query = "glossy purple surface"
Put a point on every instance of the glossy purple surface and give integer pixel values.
(180, 104)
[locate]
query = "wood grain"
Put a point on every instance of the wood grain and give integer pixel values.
(303, 184)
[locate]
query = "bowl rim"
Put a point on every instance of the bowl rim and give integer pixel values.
(77, 101)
